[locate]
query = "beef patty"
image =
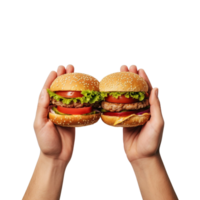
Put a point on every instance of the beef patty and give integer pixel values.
(78, 104)
(117, 107)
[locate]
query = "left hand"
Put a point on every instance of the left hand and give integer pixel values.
(55, 142)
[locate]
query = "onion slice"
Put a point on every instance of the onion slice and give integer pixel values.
(52, 111)
(144, 111)
(96, 110)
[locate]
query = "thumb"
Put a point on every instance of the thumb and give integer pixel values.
(42, 110)
(155, 108)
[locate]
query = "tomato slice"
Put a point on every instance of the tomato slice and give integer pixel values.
(69, 94)
(120, 99)
(146, 95)
(74, 111)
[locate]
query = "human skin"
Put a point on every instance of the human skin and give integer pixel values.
(56, 144)
(142, 145)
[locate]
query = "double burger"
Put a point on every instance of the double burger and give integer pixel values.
(126, 100)
(74, 100)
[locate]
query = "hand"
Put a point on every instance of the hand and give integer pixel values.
(144, 141)
(55, 142)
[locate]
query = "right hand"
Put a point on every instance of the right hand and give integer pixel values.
(55, 142)
(144, 141)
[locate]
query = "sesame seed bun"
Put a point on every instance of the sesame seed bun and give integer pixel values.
(74, 120)
(133, 121)
(74, 82)
(124, 82)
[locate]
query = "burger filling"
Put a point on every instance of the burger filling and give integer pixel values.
(88, 102)
(74, 102)
(55, 110)
(125, 103)
(117, 107)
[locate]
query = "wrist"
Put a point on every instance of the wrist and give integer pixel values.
(52, 162)
(146, 162)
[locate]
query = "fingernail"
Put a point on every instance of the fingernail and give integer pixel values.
(42, 94)
(156, 92)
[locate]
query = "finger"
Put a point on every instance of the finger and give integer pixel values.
(142, 73)
(70, 68)
(61, 70)
(43, 102)
(133, 69)
(52, 75)
(123, 68)
(155, 108)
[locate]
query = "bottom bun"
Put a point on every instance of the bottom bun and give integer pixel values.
(132, 121)
(74, 120)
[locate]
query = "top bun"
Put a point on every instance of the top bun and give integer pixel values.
(75, 82)
(123, 82)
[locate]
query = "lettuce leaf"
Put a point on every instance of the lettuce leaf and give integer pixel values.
(89, 97)
(95, 96)
(136, 95)
(104, 110)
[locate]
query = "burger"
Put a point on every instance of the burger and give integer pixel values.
(126, 100)
(74, 100)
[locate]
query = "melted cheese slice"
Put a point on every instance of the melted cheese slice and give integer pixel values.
(122, 119)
